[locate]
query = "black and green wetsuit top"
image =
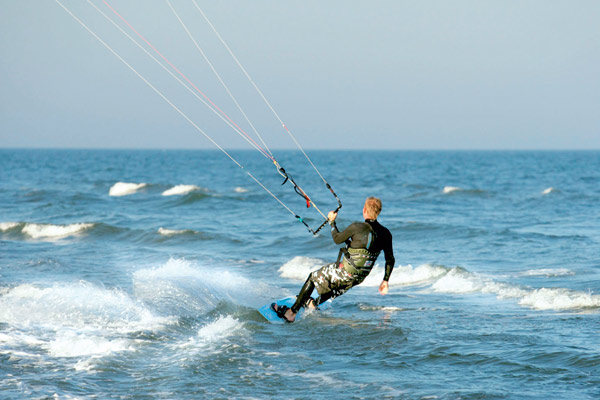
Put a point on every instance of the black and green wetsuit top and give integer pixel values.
(369, 235)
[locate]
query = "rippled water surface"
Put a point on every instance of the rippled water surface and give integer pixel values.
(137, 274)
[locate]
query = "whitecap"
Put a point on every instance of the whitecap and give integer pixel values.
(299, 267)
(50, 231)
(406, 275)
(548, 272)
(559, 299)
(7, 226)
(171, 232)
(76, 306)
(240, 190)
(221, 328)
(504, 290)
(74, 320)
(380, 308)
(181, 190)
(211, 338)
(451, 189)
(460, 281)
(182, 287)
(549, 190)
(78, 344)
(125, 188)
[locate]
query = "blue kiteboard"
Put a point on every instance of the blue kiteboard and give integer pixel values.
(271, 316)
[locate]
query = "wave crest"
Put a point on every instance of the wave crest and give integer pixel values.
(459, 281)
(549, 272)
(75, 319)
(49, 231)
(451, 189)
(184, 288)
(46, 231)
(559, 299)
(172, 232)
(125, 188)
(299, 267)
(550, 190)
(7, 226)
(181, 190)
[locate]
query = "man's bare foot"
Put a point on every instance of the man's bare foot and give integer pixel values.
(284, 312)
(290, 315)
(311, 304)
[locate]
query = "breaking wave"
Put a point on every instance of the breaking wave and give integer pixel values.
(459, 190)
(73, 319)
(45, 231)
(8, 226)
(172, 232)
(299, 267)
(550, 190)
(559, 299)
(125, 188)
(181, 190)
(459, 281)
(451, 189)
(185, 288)
(210, 337)
(548, 272)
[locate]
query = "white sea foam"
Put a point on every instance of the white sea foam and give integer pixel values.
(6, 226)
(406, 275)
(74, 319)
(211, 338)
(77, 344)
(186, 288)
(240, 190)
(549, 190)
(66, 397)
(221, 328)
(125, 188)
(460, 281)
(181, 190)
(50, 231)
(299, 267)
(171, 232)
(76, 305)
(46, 231)
(380, 308)
(548, 272)
(559, 299)
(451, 189)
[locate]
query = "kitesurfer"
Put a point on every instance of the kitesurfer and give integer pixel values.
(364, 242)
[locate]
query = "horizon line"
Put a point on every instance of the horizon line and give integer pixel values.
(295, 149)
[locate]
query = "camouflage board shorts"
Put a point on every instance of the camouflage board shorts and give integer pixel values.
(334, 279)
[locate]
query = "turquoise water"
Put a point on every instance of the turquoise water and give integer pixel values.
(137, 274)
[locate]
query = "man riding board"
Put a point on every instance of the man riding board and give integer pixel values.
(364, 241)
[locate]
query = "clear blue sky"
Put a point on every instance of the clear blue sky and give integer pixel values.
(341, 74)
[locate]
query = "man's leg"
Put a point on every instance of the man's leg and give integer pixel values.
(330, 281)
(304, 294)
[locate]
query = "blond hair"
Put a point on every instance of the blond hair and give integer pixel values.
(372, 207)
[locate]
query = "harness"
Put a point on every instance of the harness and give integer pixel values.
(358, 262)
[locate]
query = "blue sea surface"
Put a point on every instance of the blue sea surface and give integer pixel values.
(138, 274)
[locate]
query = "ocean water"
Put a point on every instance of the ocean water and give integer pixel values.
(137, 274)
